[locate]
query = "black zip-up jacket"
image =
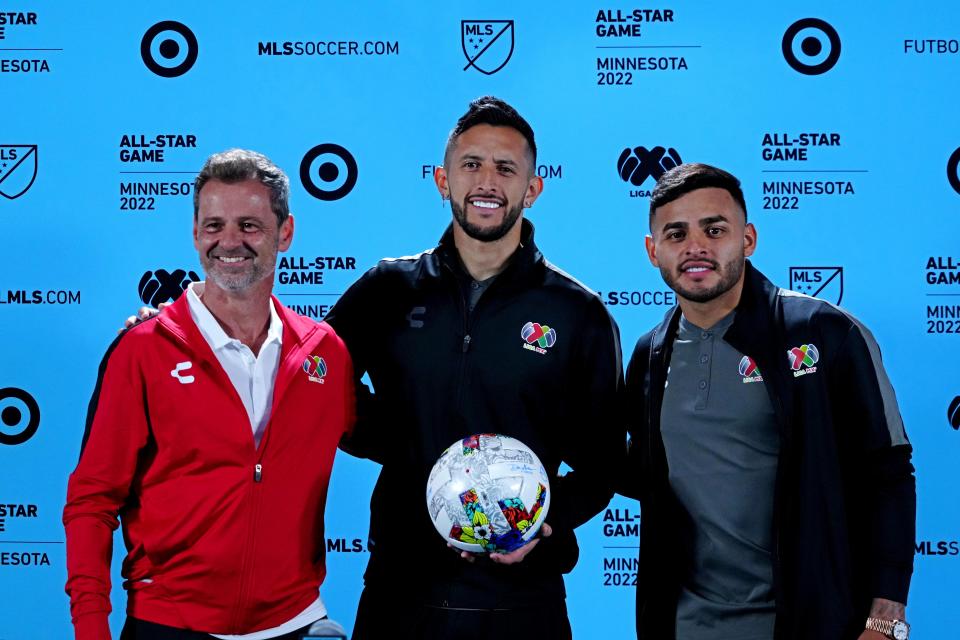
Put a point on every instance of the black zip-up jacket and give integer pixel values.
(845, 496)
(441, 373)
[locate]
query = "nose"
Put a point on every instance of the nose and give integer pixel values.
(696, 245)
(487, 180)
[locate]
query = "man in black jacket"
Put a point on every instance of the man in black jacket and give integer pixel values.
(442, 337)
(767, 450)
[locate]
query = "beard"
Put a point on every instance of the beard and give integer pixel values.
(729, 276)
(485, 234)
(231, 280)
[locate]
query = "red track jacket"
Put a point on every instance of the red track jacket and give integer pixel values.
(221, 536)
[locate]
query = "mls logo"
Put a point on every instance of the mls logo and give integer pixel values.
(487, 44)
(819, 282)
(18, 169)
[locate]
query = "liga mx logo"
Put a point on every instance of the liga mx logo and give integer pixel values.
(811, 46)
(18, 169)
(818, 282)
(161, 285)
(538, 337)
(315, 367)
(169, 49)
(638, 164)
(487, 44)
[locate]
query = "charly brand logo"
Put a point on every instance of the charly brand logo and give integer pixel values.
(538, 337)
(178, 370)
(487, 44)
(415, 317)
(639, 164)
(953, 170)
(163, 286)
(19, 416)
(811, 46)
(335, 167)
(315, 367)
(802, 359)
(749, 370)
(18, 169)
(953, 413)
(169, 48)
(818, 282)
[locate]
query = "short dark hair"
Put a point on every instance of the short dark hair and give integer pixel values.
(691, 176)
(495, 112)
(237, 165)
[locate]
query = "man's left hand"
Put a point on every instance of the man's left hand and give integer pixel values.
(517, 555)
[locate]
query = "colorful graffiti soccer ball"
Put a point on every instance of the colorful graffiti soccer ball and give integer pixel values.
(488, 493)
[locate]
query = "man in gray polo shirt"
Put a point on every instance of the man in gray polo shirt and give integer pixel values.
(777, 494)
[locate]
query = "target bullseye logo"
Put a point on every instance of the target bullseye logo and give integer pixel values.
(328, 172)
(811, 46)
(169, 48)
(19, 416)
(953, 170)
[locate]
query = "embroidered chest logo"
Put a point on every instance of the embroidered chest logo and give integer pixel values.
(802, 359)
(315, 367)
(180, 368)
(538, 337)
(749, 370)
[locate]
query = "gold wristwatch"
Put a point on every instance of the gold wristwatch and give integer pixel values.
(895, 629)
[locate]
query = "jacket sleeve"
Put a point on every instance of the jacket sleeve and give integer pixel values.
(349, 317)
(116, 431)
(879, 454)
(629, 480)
(595, 434)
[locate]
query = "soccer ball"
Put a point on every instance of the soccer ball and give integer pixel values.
(488, 494)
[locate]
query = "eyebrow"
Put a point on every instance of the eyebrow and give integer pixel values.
(704, 222)
(498, 161)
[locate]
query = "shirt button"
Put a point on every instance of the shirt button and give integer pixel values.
(704, 358)
(703, 384)
(704, 335)
(474, 285)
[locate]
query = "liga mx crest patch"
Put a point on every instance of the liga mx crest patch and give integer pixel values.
(315, 367)
(18, 169)
(803, 359)
(749, 370)
(538, 337)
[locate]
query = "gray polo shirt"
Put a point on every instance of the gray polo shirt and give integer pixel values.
(722, 442)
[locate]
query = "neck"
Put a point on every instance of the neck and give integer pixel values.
(483, 260)
(707, 314)
(243, 315)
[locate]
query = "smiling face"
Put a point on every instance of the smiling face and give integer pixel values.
(700, 242)
(237, 236)
(489, 178)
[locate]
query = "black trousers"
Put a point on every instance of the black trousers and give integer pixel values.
(134, 629)
(387, 616)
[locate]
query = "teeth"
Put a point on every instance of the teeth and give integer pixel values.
(696, 269)
(483, 204)
(230, 260)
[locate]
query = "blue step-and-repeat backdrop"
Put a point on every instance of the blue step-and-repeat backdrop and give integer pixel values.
(840, 118)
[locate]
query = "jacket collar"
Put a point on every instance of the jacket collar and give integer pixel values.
(523, 261)
(753, 324)
(177, 320)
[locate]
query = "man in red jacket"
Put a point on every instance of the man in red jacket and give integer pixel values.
(198, 444)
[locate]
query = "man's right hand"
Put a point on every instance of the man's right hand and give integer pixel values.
(145, 313)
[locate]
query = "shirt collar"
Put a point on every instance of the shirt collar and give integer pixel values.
(211, 330)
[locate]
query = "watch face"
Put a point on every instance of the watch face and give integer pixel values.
(900, 631)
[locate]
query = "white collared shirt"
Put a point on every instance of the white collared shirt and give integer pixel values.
(253, 376)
